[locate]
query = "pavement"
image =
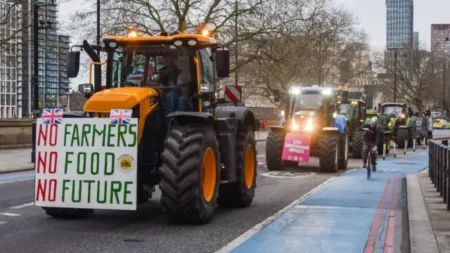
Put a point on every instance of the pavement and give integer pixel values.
(298, 210)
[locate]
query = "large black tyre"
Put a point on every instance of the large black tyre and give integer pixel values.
(343, 151)
(329, 153)
(190, 173)
(68, 213)
(402, 136)
(241, 192)
(274, 152)
(357, 144)
(388, 144)
(411, 137)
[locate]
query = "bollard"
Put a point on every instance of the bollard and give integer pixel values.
(395, 148)
(406, 146)
(448, 181)
(384, 149)
(424, 142)
(439, 181)
(414, 145)
(444, 177)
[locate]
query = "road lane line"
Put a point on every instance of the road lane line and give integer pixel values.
(261, 156)
(2, 222)
(10, 214)
(18, 180)
(22, 206)
(249, 233)
(370, 245)
(390, 233)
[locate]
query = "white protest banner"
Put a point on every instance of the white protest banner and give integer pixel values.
(86, 163)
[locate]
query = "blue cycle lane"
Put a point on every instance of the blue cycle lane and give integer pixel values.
(350, 214)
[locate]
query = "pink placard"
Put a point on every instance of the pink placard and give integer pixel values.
(296, 148)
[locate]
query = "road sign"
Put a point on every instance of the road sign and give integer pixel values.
(287, 174)
(233, 93)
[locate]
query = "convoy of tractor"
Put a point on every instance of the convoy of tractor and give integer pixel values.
(200, 150)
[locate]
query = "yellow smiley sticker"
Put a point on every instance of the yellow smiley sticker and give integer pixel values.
(126, 162)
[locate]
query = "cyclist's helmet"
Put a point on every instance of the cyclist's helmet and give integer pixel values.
(373, 120)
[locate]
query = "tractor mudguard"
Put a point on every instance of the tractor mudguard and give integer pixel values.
(190, 117)
(331, 130)
(340, 122)
(242, 114)
(277, 129)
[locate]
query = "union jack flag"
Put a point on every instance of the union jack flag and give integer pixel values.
(120, 116)
(52, 116)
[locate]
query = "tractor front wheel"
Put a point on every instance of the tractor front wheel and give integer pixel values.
(329, 153)
(402, 137)
(241, 192)
(274, 152)
(190, 173)
(357, 144)
(68, 213)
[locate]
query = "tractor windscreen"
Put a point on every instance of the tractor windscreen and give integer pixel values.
(392, 109)
(307, 102)
(148, 65)
(347, 110)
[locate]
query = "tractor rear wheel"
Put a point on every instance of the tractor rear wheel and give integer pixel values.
(357, 144)
(274, 152)
(241, 192)
(68, 213)
(190, 173)
(329, 153)
(402, 137)
(343, 151)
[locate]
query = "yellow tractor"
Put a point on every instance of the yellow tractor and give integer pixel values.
(200, 151)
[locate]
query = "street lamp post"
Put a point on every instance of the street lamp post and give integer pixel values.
(36, 109)
(236, 47)
(98, 26)
(395, 76)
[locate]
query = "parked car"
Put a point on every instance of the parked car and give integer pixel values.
(441, 124)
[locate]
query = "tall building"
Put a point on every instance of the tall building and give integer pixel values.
(399, 23)
(416, 41)
(10, 58)
(440, 40)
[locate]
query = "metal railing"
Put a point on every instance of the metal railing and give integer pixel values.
(439, 161)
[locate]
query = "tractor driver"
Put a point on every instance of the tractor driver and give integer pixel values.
(371, 140)
(173, 95)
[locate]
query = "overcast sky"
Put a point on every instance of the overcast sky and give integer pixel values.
(372, 17)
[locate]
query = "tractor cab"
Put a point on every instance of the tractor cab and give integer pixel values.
(310, 104)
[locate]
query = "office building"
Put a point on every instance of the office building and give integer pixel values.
(416, 41)
(440, 40)
(10, 58)
(399, 23)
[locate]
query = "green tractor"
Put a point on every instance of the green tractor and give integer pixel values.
(398, 119)
(355, 112)
(386, 123)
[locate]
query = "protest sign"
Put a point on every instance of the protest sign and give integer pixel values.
(296, 148)
(86, 163)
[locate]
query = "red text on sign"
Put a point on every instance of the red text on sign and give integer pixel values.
(46, 190)
(47, 133)
(46, 162)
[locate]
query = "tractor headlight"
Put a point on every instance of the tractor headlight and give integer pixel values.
(309, 125)
(294, 125)
(178, 43)
(334, 114)
(294, 90)
(403, 115)
(282, 113)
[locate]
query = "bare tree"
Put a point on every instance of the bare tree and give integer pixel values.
(10, 19)
(411, 73)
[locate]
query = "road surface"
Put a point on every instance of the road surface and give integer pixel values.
(25, 228)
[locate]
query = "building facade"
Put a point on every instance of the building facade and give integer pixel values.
(416, 41)
(10, 58)
(399, 23)
(440, 40)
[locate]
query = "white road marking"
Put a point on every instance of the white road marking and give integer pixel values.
(261, 163)
(286, 174)
(18, 180)
(2, 222)
(10, 214)
(22, 206)
(242, 238)
(260, 156)
(348, 171)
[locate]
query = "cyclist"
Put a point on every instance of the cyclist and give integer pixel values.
(371, 140)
